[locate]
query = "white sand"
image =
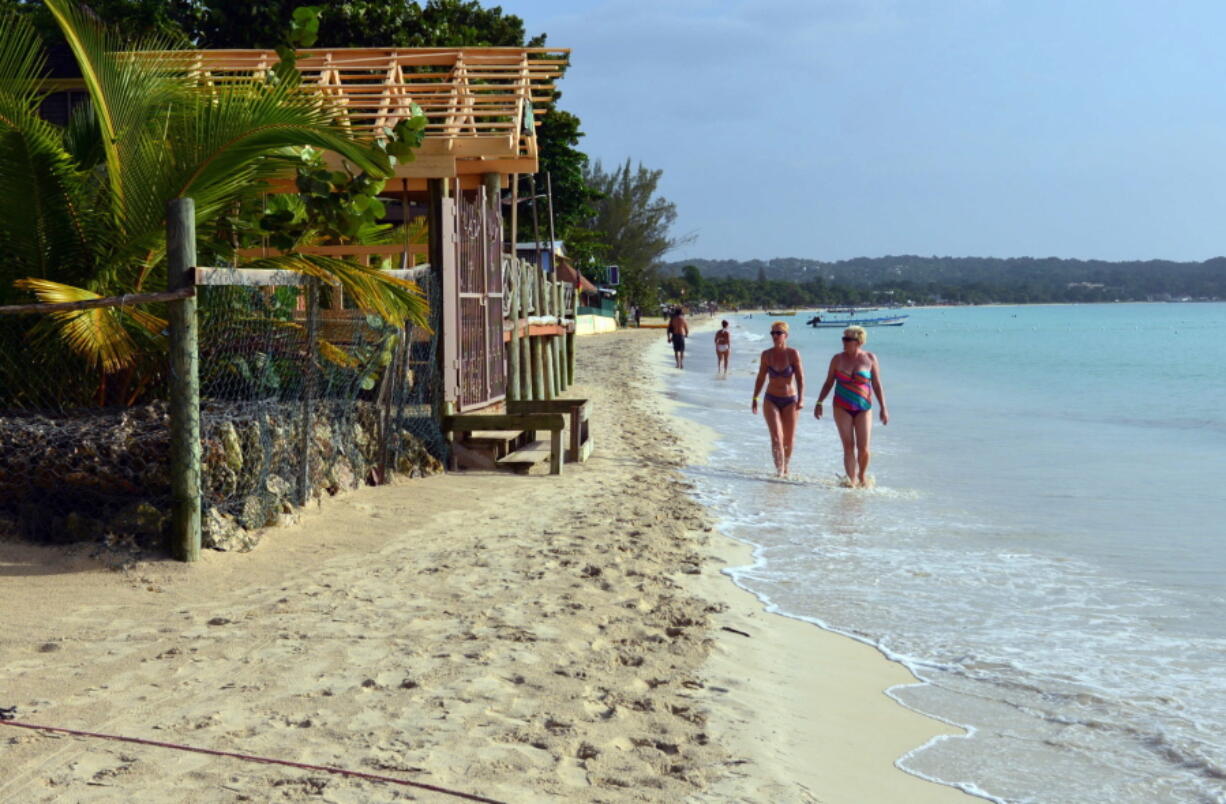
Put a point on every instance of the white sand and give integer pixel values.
(520, 638)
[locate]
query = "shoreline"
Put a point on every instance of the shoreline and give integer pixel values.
(522, 638)
(848, 710)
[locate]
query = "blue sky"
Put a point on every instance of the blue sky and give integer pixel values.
(831, 129)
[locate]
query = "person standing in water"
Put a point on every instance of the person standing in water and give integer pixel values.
(677, 331)
(784, 376)
(856, 376)
(723, 349)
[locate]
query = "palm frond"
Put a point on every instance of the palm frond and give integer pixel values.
(239, 130)
(22, 60)
(45, 225)
(327, 350)
(397, 301)
(98, 335)
(121, 90)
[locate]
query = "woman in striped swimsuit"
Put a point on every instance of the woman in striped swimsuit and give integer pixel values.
(855, 375)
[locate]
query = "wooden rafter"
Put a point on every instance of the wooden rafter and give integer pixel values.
(478, 101)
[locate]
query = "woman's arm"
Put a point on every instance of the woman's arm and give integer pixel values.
(821, 395)
(800, 380)
(878, 390)
(759, 382)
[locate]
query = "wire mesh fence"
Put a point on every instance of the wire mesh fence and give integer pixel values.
(297, 401)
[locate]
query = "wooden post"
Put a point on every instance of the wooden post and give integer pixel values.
(538, 367)
(570, 342)
(549, 196)
(550, 377)
(492, 184)
(184, 382)
(307, 436)
(515, 215)
(553, 340)
(536, 224)
(559, 342)
(513, 345)
(441, 216)
(525, 346)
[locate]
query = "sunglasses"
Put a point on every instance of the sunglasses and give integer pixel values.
(857, 340)
(778, 332)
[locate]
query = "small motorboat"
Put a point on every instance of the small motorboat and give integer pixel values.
(843, 323)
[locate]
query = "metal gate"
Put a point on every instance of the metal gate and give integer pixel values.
(483, 371)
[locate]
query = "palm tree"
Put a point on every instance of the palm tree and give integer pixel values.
(82, 208)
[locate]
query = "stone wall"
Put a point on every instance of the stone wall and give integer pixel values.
(104, 475)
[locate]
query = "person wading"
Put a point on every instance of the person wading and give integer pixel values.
(784, 376)
(723, 349)
(856, 376)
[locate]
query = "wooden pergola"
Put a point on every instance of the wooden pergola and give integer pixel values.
(479, 101)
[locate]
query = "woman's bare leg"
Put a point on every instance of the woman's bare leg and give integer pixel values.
(863, 431)
(846, 426)
(774, 425)
(787, 421)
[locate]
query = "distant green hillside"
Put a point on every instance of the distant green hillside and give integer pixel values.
(982, 279)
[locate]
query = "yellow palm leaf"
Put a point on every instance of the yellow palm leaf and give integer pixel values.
(98, 335)
(327, 350)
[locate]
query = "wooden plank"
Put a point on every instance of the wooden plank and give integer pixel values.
(469, 422)
(538, 330)
(556, 457)
(581, 406)
(576, 411)
(493, 435)
(107, 301)
(527, 456)
(251, 277)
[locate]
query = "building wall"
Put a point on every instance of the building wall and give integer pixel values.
(594, 324)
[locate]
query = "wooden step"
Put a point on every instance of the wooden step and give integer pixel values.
(475, 454)
(497, 442)
(576, 412)
(527, 456)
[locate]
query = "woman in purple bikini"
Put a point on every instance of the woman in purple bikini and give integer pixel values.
(855, 375)
(780, 370)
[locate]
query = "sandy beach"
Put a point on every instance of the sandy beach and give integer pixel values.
(516, 638)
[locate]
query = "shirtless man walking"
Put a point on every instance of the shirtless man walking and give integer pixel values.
(677, 332)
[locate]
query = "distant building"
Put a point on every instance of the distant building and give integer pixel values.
(543, 254)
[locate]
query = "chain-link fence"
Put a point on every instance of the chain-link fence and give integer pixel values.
(297, 401)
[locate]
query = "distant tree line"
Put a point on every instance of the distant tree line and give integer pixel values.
(933, 280)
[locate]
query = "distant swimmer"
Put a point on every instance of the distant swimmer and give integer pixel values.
(677, 331)
(855, 375)
(780, 369)
(723, 348)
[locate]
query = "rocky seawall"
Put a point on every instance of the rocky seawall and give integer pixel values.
(104, 475)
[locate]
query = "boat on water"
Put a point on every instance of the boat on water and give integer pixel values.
(781, 312)
(843, 323)
(851, 310)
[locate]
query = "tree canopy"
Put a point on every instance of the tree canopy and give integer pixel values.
(634, 225)
(968, 280)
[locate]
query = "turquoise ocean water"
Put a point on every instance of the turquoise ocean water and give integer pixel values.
(1043, 547)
